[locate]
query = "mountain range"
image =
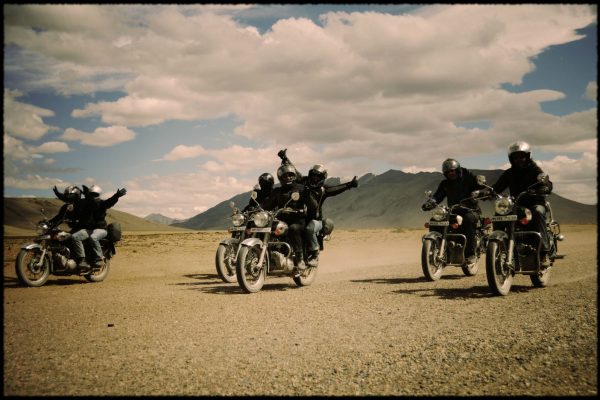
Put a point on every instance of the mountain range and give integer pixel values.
(390, 200)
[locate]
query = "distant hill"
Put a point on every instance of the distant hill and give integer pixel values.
(161, 219)
(390, 200)
(22, 214)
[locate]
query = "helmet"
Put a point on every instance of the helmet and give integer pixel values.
(284, 170)
(518, 147)
(450, 164)
(266, 181)
(95, 190)
(72, 193)
(317, 175)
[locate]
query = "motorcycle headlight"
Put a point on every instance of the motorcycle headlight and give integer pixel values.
(503, 206)
(261, 219)
(42, 227)
(238, 219)
(439, 214)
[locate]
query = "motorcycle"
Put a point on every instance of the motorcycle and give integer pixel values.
(444, 244)
(49, 254)
(228, 250)
(268, 251)
(514, 249)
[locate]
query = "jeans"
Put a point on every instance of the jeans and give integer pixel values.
(469, 229)
(312, 229)
(94, 239)
(538, 222)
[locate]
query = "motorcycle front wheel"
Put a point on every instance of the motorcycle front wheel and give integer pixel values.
(250, 275)
(432, 267)
(307, 277)
(499, 276)
(98, 275)
(31, 269)
(224, 261)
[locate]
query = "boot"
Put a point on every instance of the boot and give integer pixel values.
(313, 258)
(299, 262)
(83, 265)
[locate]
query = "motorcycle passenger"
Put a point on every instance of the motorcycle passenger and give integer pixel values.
(263, 190)
(91, 224)
(458, 185)
(279, 197)
(315, 183)
(522, 174)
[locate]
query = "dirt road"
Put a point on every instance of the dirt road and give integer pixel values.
(163, 323)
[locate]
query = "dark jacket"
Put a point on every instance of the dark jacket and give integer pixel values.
(517, 180)
(65, 214)
(281, 195)
(319, 194)
(261, 196)
(458, 189)
(91, 212)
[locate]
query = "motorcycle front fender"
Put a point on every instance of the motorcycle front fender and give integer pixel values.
(431, 235)
(229, 241)
(251, 242)
(498, 235)
(30, 246)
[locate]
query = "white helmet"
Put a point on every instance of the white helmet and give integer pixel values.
(518, 147)
(95, 189)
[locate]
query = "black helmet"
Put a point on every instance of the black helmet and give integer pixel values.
(518, 147)
(451, 164)
(317, 175)
(285, 170)
(72, 193)
(266, 181)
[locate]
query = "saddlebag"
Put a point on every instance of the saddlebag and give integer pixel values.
(114, 232)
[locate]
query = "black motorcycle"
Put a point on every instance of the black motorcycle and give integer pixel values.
(513, 248)
(49, 254)
(445, 245)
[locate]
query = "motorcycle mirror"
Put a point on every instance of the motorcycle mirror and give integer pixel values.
(253, 195)
(428, 193)
(232, 205)
(481, 180)
(295, 196)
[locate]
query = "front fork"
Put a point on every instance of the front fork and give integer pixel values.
(511, 246)
(264, 248)
(442, 253)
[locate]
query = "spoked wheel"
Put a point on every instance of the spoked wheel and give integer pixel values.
(225, 262)
(499, 276)
(31, 269)
(99, 274)
(250, 275)
(306, 277)
(432, 266)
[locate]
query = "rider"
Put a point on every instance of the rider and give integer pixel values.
(91, 215)
(263, 189)
(71, 195)
(522, 174)
(315, 183)
(280, 197)
(458, 185)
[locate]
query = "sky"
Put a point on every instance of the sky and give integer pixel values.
(186, 105)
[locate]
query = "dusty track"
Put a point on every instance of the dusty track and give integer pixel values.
(164, 324)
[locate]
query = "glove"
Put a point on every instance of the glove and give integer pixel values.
(429, 205)
(121, 192)
(282, 155)
(84, 189)
(353, 183)
(56, 192)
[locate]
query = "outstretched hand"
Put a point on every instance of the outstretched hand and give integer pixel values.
(121, 192)
(281, 154)
(354, 182)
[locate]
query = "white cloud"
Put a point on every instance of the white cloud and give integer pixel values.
(53, 147)
(101, 137)
(33, 182)
(181, 152)
(574, 179)
(591, 91)
(24, 120)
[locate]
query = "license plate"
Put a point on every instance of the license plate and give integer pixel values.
(260, 229)
(439, 223)
(237, 229)
(503, 218)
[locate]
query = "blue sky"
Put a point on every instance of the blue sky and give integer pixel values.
(186, 105)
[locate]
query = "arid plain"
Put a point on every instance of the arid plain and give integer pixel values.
(163, 323)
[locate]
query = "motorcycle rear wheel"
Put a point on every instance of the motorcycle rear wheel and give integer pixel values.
(99, 275)
(28, 272)
(432, 268)
(307, 277)
(225, 264)
(250, 275)
(499, 277)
